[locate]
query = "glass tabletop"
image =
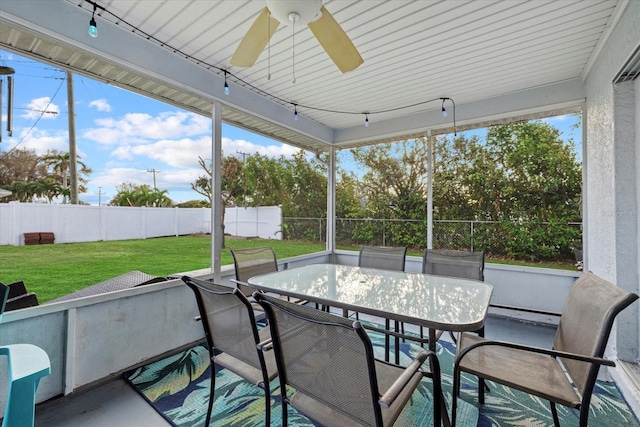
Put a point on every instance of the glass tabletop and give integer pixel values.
(445, 303)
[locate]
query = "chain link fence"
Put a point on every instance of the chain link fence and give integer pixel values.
(533, 240)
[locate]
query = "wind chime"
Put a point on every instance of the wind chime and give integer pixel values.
(8, 73)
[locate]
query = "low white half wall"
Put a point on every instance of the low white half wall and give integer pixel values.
(94, 338)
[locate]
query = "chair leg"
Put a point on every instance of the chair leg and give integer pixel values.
(584, 412)
(387, 326)
(267, 405)
(482, 385)
(285, 412)
(454, 395)
(20, 409)
(211, 394)
(440, 406)
(554, 413)
(397, 340)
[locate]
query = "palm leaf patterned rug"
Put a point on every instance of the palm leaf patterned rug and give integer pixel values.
(178, 388)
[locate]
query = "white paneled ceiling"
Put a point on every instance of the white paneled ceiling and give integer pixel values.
(413, 51)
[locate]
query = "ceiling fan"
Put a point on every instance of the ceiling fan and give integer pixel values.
(298, 12)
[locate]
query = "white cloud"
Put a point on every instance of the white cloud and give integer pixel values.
(100, 105)
(185, 152)
(41, 107)
(41, 140)
(110, 179)
(231, 147)
(136, 128)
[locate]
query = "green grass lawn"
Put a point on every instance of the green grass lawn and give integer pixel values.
(52, 271)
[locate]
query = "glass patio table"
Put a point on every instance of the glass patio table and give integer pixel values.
(435, 302)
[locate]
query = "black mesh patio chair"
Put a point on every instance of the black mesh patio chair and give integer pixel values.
(251, 262)
(565, 374)
(453, 263)
(383, 257)
(232, 335)
(329, 362)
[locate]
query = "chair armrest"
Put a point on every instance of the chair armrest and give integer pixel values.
(549, 352)
(265, 345)
(387, 399)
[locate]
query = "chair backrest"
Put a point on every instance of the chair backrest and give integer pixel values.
(383, 257)
(453, 263)
(587, 318)
(228, 320)
(250, 262)
(325, 357)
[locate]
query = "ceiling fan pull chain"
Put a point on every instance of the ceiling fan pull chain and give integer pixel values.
(269, 47)
(293, 37)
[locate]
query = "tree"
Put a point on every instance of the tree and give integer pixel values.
(58, 164)
(231, 186)
(523, 171)
(394, 186)
(396, 175)
(347, 201)
(25, 174)
(264, 181)
(524, 176)
(467, 184)
(541, 172)
(306, 182)
(130, 194)
(20, 165)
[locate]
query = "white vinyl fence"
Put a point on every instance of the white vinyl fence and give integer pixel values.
(81, 223)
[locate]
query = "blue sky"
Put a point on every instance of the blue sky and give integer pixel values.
(122, 135)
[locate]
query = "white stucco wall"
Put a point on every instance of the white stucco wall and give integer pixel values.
(611, 173)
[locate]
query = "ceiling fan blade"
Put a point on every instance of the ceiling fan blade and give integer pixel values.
(336, 42)
(255, 40)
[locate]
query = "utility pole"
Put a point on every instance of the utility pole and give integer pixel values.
(244, 155)
(73, 156)
(99, 196)
(154, 172)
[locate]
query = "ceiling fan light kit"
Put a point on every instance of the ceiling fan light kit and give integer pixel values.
(306, 10)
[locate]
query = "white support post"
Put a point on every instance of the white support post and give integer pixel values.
(331, 202)
(430, 141)
(216, 190)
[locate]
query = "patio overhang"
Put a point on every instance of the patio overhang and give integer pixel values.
(55, 32)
